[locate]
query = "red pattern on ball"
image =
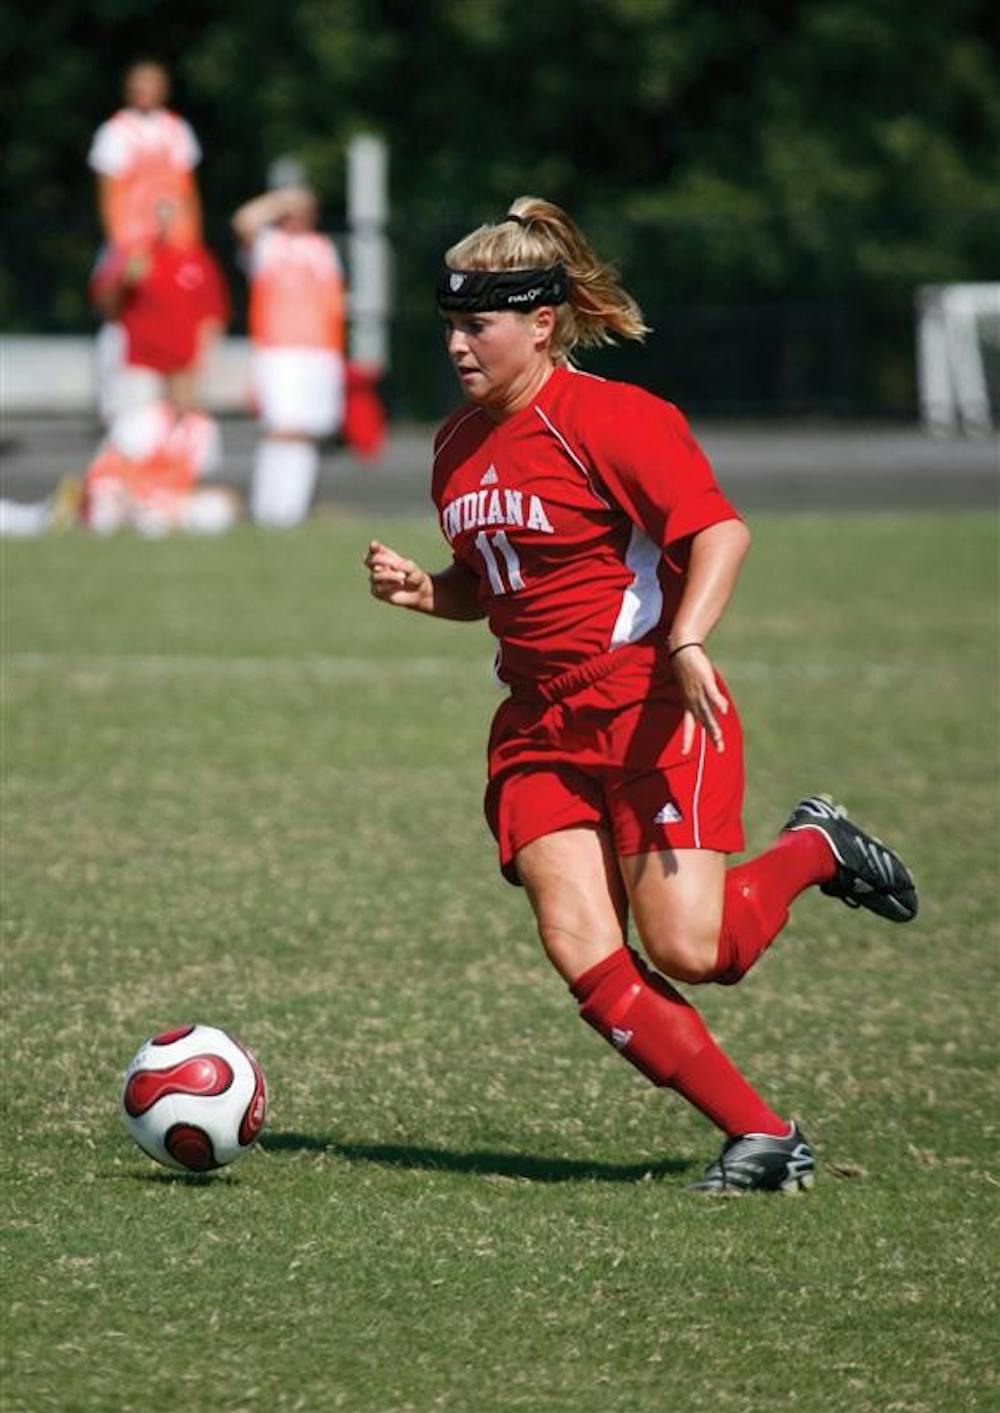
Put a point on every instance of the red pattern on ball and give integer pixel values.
(256, 1111)
(169, 1036)
(191, 1147)
(201, 1075)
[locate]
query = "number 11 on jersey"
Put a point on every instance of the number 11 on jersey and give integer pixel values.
(495, 563)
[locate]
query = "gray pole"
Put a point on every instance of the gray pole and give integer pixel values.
(368, 250)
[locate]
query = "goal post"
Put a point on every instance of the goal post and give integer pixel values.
(368, 244)
(958, 339)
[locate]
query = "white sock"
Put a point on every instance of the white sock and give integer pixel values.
(209, 510)
(283, 483)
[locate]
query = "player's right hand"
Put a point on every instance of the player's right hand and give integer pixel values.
(396, 580)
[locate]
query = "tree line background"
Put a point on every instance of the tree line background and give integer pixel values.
(775, 179)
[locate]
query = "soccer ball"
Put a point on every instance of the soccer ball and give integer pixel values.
(194, 1098)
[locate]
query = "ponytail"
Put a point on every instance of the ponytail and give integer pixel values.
(535, 233)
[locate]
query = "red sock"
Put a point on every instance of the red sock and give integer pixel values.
(656, 1030)
(758, 894)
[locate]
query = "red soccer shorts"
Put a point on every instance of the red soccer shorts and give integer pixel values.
(603, 758)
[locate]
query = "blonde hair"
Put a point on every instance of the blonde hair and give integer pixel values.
(598, 308)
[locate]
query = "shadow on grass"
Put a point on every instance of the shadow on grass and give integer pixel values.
(214, 1178)
(484, 1162)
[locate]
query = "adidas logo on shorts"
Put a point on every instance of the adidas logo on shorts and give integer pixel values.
(669, 814)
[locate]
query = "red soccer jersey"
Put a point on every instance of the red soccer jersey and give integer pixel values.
(575, 515)
(164, 311)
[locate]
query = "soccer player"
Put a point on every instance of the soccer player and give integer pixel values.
(297, 329)
(169, 299)
(587, 526)
(148, 475)
(144, 154)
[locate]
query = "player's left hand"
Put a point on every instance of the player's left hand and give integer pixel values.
(396, 580)
(705, 700)
(137, 267)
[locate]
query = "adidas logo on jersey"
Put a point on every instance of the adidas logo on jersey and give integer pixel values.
(620, 1038)
(490, 478)
(669, 814)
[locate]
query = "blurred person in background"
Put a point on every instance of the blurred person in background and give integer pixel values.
(586, 524)
(171, 303)
(143, 155)
(169, 297)
(296, 324)
(147, 475)
(170, 300)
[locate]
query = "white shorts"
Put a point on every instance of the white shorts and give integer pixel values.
(299, 390)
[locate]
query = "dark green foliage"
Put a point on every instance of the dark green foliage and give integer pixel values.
(828, 152)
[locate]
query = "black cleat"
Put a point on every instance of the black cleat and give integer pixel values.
(869, 875)
(760, 1162)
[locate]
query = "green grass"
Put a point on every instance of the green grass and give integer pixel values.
(237, 790)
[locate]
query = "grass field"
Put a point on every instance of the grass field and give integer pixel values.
(239, 791)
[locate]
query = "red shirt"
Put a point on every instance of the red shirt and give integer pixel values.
(575, 516)
(164, 311)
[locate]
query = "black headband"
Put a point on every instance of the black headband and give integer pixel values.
(477, 291)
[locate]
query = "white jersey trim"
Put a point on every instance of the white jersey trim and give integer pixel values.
(642, 602)
(460, 423)
(697, 789)
(126, 135)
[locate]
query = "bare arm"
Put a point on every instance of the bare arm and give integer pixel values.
(104, 185)
(108, 300)
(716, 556)
(110, 294)
(195, 208)
(451, 593)
(255, 216)
(209, 331)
